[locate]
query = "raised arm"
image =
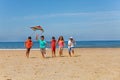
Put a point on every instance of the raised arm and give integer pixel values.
(25, 44)
(37, 37)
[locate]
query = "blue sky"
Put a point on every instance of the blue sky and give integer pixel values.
(82, 19)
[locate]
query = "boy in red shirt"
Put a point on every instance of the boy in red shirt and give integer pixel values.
(53, 46)
(28, 45)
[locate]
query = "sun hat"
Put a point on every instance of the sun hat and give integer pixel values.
(71, 37)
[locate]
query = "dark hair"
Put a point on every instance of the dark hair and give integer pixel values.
(53, 37)
(42, 36)
(29, 37)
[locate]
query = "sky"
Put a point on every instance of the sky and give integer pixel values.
(84, 20)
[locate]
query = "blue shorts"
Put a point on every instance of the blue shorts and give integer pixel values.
(70, 49)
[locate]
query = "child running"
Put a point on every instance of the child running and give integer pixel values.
(61, 45)
(53, 46)
(71, 45)
(28, 45)
(42, 44)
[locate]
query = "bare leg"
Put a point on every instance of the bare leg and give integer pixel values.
(69, 53)
(61, 52)
(53, 54)
(27, 53)
(69, 50)
(43, 52)
(73, 52)
(43, 55)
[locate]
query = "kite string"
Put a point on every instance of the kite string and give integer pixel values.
(32, 33)
(41, 33)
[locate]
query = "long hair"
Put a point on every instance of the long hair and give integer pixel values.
(60, 38)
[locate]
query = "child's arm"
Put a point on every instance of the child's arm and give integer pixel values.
(56, 43)
(32, 44)
(25, 44)
(69, 44)
(46, 44)
(37, 37)
(74, 42)
(64, 44)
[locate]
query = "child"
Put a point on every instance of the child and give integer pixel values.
(53, 46)
(28, 45)
(42, 44)
(61, 45)
(71, 44)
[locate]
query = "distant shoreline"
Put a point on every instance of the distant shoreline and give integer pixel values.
(57, 48)
(79, 44)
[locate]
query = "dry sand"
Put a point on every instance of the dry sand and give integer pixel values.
(87, 64)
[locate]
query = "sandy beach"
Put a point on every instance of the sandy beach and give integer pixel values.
(87, 64)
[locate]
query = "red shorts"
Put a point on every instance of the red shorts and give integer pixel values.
(53, 48)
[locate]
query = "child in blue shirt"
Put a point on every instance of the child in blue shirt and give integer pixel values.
(42, 45)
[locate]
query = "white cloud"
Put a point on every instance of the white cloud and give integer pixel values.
(103, 14)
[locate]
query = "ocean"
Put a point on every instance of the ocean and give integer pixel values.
(79, 44)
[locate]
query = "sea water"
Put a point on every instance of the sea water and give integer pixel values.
(79, 44)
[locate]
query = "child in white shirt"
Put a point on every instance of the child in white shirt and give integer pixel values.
(71, 45)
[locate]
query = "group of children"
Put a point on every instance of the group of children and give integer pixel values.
(42, 44)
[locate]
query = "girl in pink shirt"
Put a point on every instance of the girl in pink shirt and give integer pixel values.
(61, 45)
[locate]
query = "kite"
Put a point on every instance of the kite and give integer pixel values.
(37, 28)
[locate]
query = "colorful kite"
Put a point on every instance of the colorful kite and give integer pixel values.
(37, 28)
